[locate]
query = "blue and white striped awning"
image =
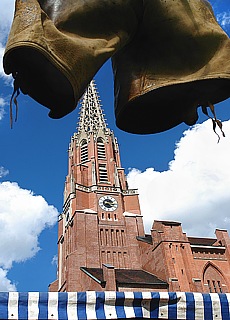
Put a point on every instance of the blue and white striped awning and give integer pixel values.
(114, 305)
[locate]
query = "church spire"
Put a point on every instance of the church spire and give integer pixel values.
(91, 115)
(98, 205)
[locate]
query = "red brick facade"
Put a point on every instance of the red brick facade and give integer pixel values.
(101, 239)
(187, 263)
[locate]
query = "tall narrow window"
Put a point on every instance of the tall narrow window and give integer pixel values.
(214, 285)
(123, 237)
(220, 287)
(209, 286)
(106, 237)
(84, 151)
(103, 175)
(101, 149)
(101, 236)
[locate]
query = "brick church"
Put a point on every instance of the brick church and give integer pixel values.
(102, 244)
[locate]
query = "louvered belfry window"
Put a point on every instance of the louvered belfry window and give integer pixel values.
(84, 151)
(103, 175)
(101, 149)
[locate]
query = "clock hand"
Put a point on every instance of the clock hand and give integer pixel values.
(108, 202)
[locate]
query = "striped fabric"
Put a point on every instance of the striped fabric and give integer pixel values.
(114, 305)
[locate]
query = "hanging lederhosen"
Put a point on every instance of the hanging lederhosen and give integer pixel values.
(169, 57)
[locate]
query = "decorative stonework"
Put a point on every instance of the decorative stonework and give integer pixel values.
(91, 114)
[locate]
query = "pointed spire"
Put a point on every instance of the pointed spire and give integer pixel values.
(91, 114)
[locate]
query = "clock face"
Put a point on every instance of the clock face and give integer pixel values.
(108, 203)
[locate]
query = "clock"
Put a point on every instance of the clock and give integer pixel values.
(108, 203)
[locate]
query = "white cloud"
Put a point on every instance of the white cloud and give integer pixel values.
(5, 284)
(195, 190)
(7, 79)
(55, 260)
(23, 216)
(1, 57)
(2, 102)
(224, 19)
(6, 16)
(2, 112)
(3, 172)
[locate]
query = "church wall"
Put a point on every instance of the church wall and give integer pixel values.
(53, 287)
(118, 258)
(86, 239)
(132, 244)
(140, 226)
(76, 279)
(92, 241)
(81, 200)
(114, 246)
(217, 271)
(131, 204)
(121, 178)
(79, 248)
(197, 269)
(170, 257)
(153, 261)
(88, 284)
(187, 270)
(172, 265)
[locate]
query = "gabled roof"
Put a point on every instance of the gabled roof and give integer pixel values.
(147, 238)
(202, 241)
(127, 277)
(141, 277)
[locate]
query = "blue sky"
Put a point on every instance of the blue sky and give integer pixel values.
(181, 174)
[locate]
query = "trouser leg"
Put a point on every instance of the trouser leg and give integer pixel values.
(56, 47)
(178, 60)
(168, 57)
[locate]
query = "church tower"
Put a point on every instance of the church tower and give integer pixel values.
(101, 218)
(102, 245)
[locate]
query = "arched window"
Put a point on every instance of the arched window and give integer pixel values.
(213, 279)
(84, 151)
(101, 149)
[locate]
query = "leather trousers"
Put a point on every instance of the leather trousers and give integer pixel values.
(169, 57)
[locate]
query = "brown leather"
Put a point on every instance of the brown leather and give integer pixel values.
(178, 60)
(169, 56)
(56, 47)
